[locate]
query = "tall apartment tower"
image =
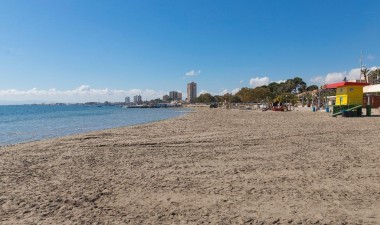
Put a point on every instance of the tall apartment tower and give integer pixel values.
(137, 99)
(191, 92)
(127, 100)
(173, 95)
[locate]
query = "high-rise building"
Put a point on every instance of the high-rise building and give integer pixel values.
(127, 100)
(137, 99)
(191, 92)
(173, 95)
(179, 96)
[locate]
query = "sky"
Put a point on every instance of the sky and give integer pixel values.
(86, 50)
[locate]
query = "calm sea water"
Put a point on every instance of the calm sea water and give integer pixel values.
(34, 122)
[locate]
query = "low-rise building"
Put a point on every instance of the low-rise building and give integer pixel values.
(166, 98)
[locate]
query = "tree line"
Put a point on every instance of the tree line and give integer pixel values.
(273, 92)
(280, 92)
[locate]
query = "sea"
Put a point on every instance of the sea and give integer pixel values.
(24, 123)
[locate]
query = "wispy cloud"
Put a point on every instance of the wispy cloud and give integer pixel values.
(353, 74)
(83, 93)
(370, 57)
(192, 73)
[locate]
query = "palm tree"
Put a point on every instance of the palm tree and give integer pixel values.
(374, 76)
(365, 72)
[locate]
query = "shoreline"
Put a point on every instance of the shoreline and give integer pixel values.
(86, 133)
(104, 129)
(212, 166)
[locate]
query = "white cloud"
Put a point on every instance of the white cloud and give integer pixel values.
(193, 73)
(83, 93)
(236, 90)
(225, 91)
(241, 81)
(334, 77)
(259, 81)
(318, 79)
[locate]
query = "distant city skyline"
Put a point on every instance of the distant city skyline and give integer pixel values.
(78, 51)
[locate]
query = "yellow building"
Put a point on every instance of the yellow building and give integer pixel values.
(348, 93)
(349, 98)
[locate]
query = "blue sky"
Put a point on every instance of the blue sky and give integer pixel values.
(69, 50)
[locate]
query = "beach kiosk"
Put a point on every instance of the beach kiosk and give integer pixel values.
(349, 98)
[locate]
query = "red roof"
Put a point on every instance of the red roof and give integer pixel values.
(344, 83)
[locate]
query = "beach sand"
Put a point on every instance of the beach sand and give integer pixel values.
(213, 166)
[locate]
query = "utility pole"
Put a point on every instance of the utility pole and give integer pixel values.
(361, 64)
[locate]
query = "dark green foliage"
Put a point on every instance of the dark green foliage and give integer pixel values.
(282, 92)
(205, 98)
(312, 88)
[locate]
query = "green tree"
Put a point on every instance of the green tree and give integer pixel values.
(289, 86)
(275, 88)
(245, 94)
(308, 97)
(235, 99)
(287, 98)
(261, 93)
(205, 98)
(312, 88)
(300, 85)
(227, 97)
(218, 98)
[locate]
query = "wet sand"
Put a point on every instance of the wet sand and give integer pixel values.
(214, 166)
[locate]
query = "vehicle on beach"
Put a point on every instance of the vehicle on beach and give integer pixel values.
(214, 105)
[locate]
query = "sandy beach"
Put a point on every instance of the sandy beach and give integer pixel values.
(213, 166)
